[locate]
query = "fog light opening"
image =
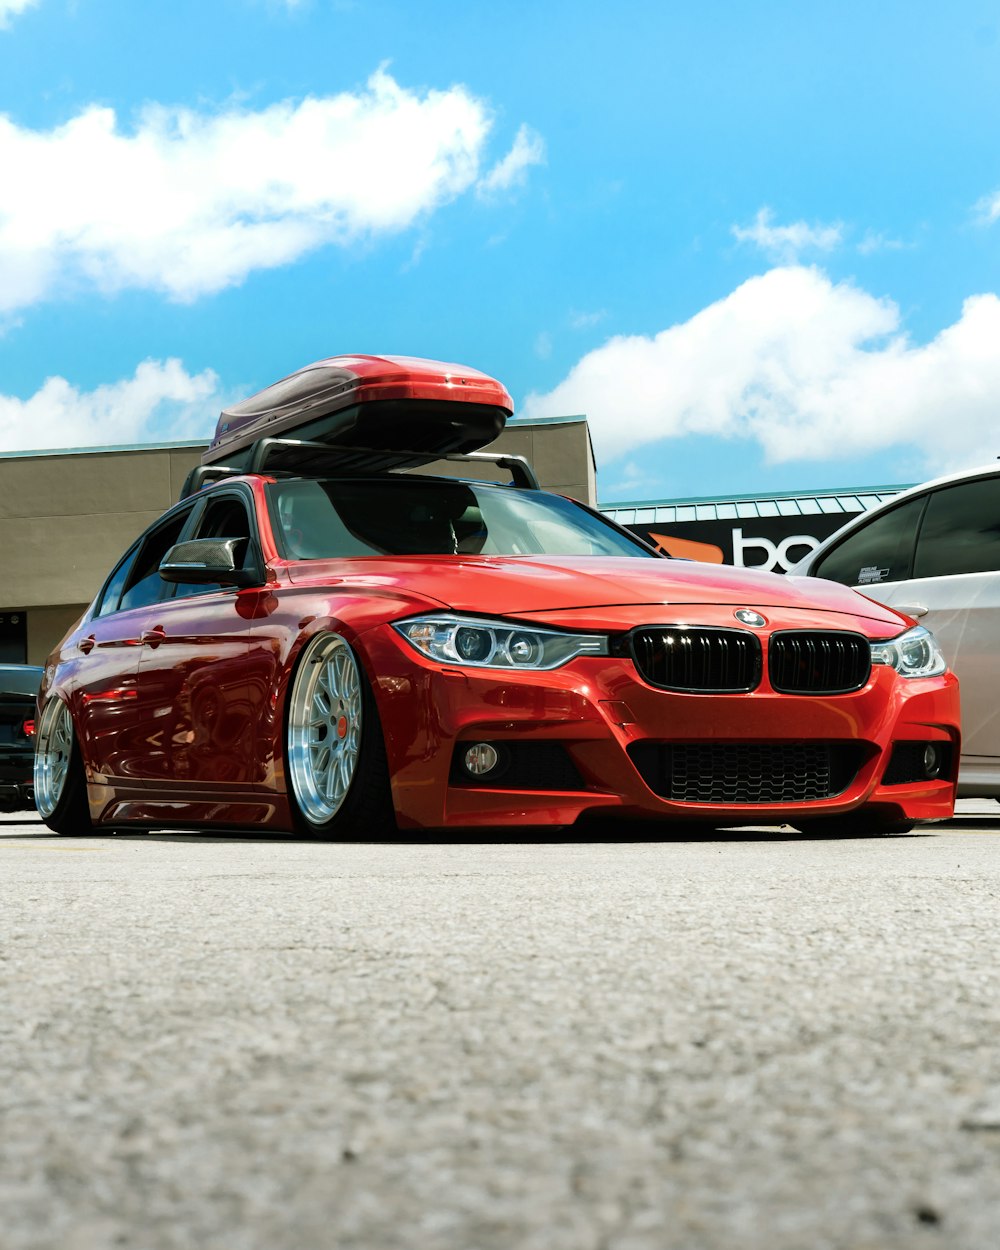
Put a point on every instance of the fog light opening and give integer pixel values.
(932, 761)
(481, 759)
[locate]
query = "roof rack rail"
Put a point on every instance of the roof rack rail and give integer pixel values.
(204, 475)
(292, 455)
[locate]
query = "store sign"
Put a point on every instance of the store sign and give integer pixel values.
(771, 543)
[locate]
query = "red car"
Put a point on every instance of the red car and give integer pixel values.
(318, 640)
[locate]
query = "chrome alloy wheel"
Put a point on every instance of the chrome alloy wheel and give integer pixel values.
(324, 728)
(53, 752)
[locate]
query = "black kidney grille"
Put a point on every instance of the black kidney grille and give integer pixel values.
(718, 661)
(771, 773)
(803, 661)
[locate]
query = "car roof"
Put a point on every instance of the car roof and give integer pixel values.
(960, 475)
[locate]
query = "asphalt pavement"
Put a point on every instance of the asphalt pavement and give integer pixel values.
(741, 1040)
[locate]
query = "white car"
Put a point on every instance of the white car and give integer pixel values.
(933, 552)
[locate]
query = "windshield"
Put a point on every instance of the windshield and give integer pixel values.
(424, 516)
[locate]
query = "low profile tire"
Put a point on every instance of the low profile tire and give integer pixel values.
(857, 825)
(338, 778)
(60, 785)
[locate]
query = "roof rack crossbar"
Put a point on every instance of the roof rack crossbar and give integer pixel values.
(520, 470)
(348, 457)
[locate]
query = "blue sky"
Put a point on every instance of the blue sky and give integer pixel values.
(757, 244)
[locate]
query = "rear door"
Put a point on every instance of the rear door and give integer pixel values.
(195, 702)
(106, 659)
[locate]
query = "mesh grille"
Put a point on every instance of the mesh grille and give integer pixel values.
(771, 773)
(818, 662)
(695, 660)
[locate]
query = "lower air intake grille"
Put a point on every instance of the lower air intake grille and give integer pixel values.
(804, 661)
(719, 661)
(770, 773)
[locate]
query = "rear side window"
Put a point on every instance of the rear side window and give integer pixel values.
(881, 551)
(961, 530)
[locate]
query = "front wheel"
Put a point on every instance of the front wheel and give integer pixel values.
(334, 752)
(60, 785)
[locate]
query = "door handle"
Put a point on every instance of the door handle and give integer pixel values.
(153, 637)
(86, 645)
(911, 609)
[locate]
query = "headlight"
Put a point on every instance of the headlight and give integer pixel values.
(913, 654)
(478, 643)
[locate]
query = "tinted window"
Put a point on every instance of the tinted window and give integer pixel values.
(961, 530)
(881, 551)
(413, 516)
(112, 592)
(144, 584)
(226, 517)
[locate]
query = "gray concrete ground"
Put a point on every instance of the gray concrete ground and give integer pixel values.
(738, 1041)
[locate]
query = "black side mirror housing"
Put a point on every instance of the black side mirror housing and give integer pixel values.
(209, 562)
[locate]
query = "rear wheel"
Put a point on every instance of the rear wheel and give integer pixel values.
(334, 751)
(60, 784)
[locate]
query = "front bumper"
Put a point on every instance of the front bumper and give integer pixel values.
(598, 708)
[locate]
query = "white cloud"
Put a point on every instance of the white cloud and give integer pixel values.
(543, 345)
(586, 320)
(528, 150)
(873, 242)
(988, 209)
(808, 368)
(787, 243)
(11, 8)
(160, 402)
(188, 203)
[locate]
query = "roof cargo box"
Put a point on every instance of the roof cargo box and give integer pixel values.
(383, 410)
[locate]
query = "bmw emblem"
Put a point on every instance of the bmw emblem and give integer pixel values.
(749, 617)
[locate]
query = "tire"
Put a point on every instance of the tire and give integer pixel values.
(338, 778)
(855, 825)
(60, 785)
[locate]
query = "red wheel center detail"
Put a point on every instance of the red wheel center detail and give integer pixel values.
(342, 727)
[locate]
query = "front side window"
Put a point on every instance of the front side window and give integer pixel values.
(111, 595)
(412, 516)
(961, 530)
(224, 517)
(144, 585)
(881, 551)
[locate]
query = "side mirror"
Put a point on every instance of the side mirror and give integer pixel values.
(209, 562)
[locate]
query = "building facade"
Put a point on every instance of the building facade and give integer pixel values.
(769, 532)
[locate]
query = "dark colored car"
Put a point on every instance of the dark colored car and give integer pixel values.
(18, 695)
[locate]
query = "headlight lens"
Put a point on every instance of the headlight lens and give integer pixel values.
(913, 654)
(483, 643)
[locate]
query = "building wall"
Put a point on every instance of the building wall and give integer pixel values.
(66, 517)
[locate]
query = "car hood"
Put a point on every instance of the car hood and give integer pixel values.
(539, 586)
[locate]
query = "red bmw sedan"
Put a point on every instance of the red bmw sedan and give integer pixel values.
(324, 642)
